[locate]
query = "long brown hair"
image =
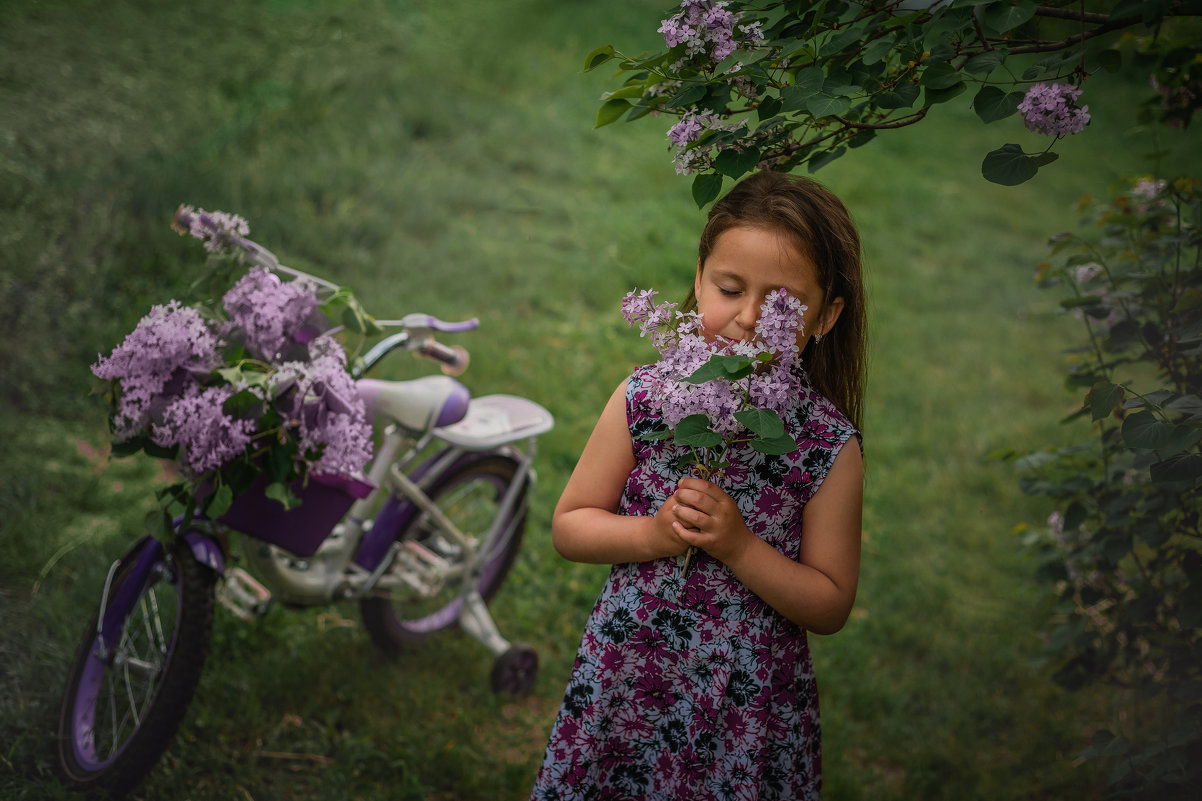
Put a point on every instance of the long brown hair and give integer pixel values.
(822, 228)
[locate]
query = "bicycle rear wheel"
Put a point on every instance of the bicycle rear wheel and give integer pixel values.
(128, 690)
(470, 495)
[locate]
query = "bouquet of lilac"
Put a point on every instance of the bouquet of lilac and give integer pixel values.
(250, 383)
(720, 393)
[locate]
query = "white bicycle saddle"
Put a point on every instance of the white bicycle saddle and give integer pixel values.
(419, 404)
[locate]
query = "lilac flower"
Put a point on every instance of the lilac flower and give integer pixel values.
(1052, 110)
(1148, 189)
(168, 344)
(325, 410)
(692, 126)
(684, 349)
(220, 232)
(267, 313)
(209, 438)
(707, 28)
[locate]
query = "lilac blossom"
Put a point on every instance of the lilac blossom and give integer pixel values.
(153, 361)
(267, 314)
(220, 232)
(1052, 110)
(683, 347)
(207, 436)
(324, 409)
(690, 157)
(707, 28)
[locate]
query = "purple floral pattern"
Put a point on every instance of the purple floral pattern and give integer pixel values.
(692, 687)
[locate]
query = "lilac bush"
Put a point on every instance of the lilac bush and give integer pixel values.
(239, 384)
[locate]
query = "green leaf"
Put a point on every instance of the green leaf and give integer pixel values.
(1102, 399)
(1045, 158)
(769, 107)
(1008, 166)
(903, 96)
(1144, 430)
(940, 76)
(352, 320)
(821, 160)
(992, 104)
(242, 405)
(598, 57)
(984, 63)
(688, 97)
(654, 436)
(706, 187)
(1001, 18)
(827, 106)
(219, 502)
(732, 368)
(777, 446)
(936, 96)
(694, 432)
(734, 163)
(876, 50)
(763, 422)
(1184, 468)
(279, 492)
(808, 81)
(610, 111)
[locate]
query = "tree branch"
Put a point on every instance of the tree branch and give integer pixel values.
(881, 126)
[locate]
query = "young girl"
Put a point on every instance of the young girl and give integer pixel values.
(700, 685)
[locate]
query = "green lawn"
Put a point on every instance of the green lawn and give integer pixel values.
(439, 156)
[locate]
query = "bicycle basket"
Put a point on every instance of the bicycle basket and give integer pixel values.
(300, 530)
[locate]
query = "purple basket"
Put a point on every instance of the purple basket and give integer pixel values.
(299, 530)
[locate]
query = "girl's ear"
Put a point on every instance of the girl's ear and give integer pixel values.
(697, 281)
(830, 316)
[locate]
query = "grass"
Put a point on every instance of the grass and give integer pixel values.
(439, 157)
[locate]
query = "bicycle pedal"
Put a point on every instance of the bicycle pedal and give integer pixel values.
(243, 595)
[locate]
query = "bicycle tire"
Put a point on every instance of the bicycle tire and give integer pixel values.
(468, 494)
(120, 713)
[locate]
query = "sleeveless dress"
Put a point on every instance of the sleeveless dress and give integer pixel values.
(694, 688)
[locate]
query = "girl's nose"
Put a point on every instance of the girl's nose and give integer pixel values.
(749, 313)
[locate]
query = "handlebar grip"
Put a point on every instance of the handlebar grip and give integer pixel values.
(454, 359)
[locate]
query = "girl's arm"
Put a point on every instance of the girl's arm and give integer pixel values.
(817, 591)
(586, 526)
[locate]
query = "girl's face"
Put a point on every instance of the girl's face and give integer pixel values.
(746, 264)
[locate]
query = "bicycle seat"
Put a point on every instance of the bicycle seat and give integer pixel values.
(419, 404)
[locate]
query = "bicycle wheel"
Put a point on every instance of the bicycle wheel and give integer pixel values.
(122, 705)
(425, 593)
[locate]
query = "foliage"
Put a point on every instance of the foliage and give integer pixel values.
(1124, 548)
(245, 382)
(786, 84)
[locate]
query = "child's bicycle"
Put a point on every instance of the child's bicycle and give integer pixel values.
(423, 546)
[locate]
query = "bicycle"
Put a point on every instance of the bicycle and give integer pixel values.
(422, 544)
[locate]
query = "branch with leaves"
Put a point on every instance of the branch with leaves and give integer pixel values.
(781, 85)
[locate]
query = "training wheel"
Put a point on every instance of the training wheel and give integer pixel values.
(515, 670)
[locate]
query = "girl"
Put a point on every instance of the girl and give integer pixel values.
(701, 686)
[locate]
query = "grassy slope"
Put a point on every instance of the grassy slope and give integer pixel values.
(385, 144)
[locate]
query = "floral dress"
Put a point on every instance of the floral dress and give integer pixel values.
(694, 688)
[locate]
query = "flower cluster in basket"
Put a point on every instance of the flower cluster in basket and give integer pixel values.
(249, 380)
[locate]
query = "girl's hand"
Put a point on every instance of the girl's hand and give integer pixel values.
(666, 540)
(709, 518)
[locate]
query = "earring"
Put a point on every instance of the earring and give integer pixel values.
(817, 338)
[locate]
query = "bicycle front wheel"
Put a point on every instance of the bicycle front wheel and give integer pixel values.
(427, 580)
(128, 690)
